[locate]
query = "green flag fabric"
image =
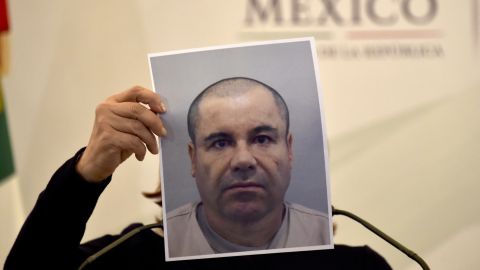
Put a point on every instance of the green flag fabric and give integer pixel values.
(6, 158)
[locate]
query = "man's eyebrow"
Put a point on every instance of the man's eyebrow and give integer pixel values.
(216, 136)
(264, 128)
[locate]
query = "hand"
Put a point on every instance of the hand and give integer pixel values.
(122, 127)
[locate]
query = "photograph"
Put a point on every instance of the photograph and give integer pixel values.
(244, 166)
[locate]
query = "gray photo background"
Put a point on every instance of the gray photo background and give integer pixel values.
(287, 67)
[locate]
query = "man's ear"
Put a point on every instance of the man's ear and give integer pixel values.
(191, 153)
(290, 148)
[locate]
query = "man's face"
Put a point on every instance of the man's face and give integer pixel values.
(241, 159)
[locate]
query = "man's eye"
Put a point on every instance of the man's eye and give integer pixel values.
(220, 144)
(262, 139)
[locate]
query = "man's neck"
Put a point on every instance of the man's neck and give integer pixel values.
(249, 233)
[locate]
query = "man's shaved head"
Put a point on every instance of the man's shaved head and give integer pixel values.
(232, 87)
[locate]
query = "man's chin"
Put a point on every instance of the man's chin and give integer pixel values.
(242, 211)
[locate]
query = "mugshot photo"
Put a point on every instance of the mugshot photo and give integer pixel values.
(244, 164)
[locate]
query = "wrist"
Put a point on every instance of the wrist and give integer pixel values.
(87, 171)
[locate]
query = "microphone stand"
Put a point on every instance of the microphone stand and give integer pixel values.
(117, 242)
(335, 211)
(384, 236)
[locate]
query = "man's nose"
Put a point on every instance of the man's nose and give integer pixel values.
(243, 161)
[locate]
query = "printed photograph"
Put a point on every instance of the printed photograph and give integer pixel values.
(244, 166)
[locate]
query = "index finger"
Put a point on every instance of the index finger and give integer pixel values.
(143, 95)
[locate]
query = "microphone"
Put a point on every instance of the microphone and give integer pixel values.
(117, 242)
(384, 236)
(335, 211)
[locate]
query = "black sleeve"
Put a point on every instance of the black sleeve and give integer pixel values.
(51, 234)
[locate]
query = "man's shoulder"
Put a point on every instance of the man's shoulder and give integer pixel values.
(307, 227)
(184, 235)
(182, 219)
(182, 211)
(298, 209)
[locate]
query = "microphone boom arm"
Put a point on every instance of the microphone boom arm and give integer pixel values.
(117, 242)
(335, 211)
(384, 236)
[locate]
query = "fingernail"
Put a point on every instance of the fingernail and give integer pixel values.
(163, 131)
(163, 107)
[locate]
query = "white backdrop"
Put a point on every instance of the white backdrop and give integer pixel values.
(402, 129)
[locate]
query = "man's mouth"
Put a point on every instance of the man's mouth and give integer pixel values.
(246, 186)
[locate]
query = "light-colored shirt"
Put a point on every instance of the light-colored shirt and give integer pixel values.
(301, 226)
